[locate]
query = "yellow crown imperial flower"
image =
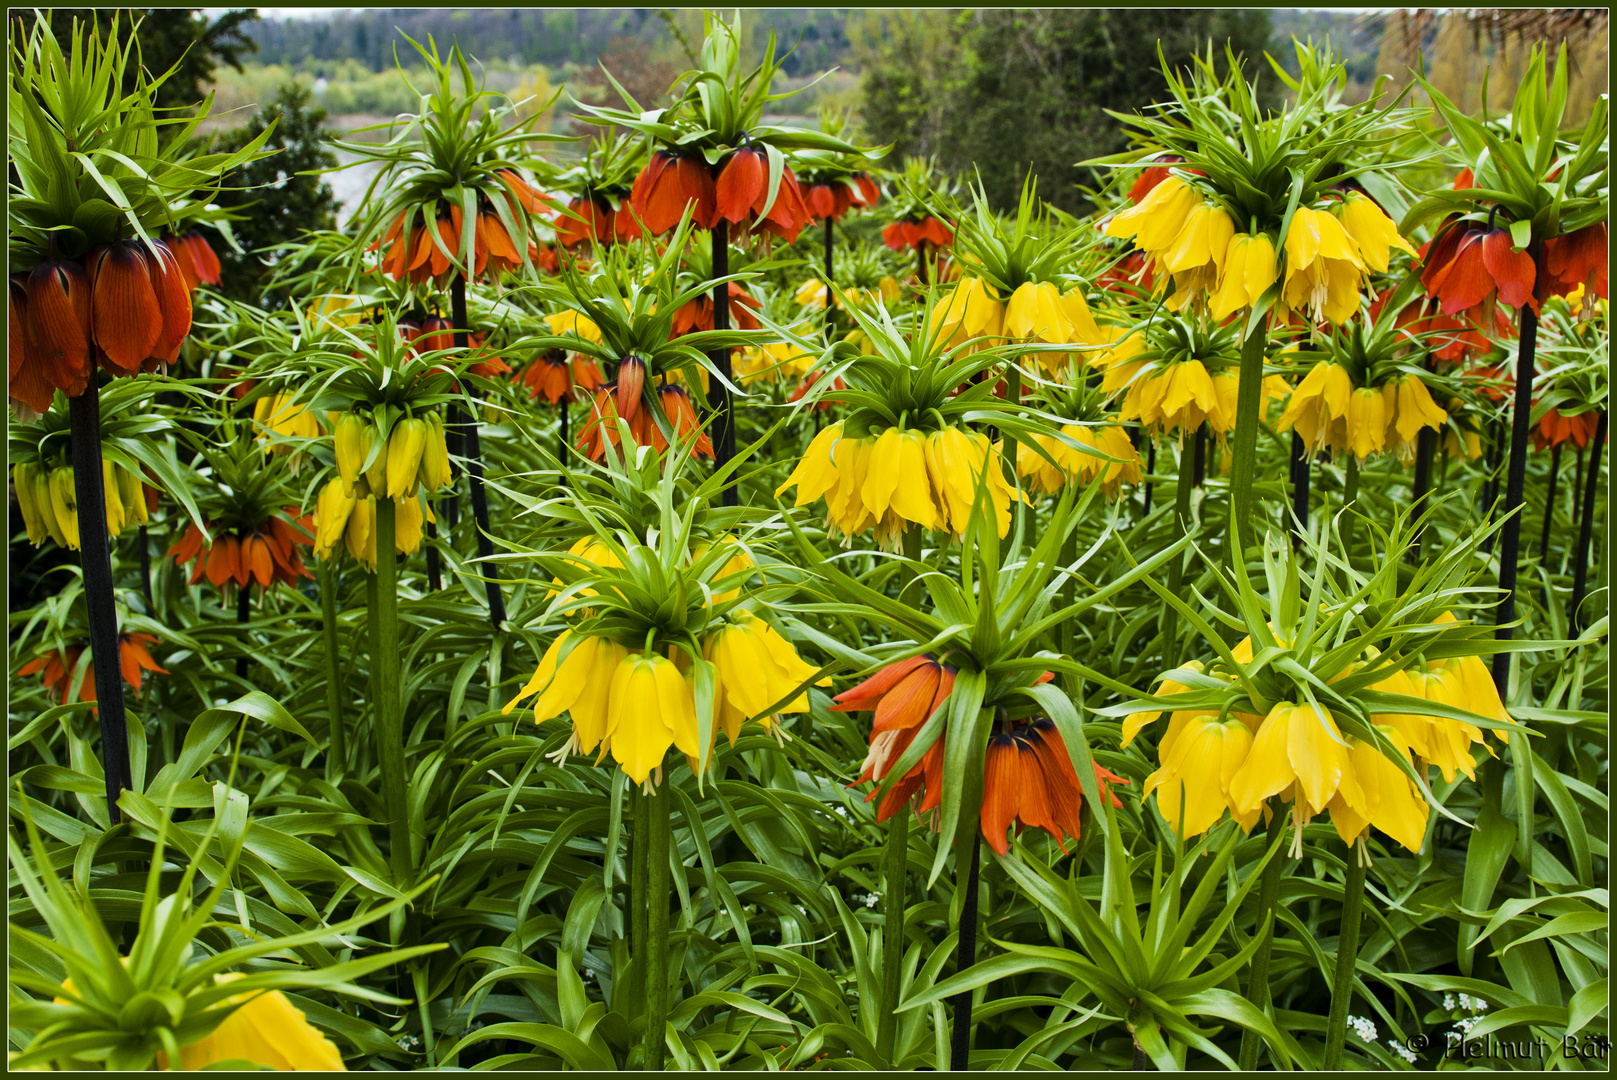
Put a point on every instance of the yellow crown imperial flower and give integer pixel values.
(1249, 269)
(575, 676)
(650, 707)
(332, 509)
(1319, 407)
(283, 417)
(756, 668)
(354, 436)
(1156, 221)
(571, 322)
(405, 446)
(1073, 464)
(1324, 269)
(1416, 409)
(1375, 792)
(899, 478)
(1200, 756)
(435, 472)
(972, 310)
(1372, 230)
(1295, 745)
(1366, 421)
(1174, 398)
(266, 1029)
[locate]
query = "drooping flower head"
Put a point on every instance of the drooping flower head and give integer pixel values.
(1174, 374)
(671, 642)
(1355, 737)
(631, 313)
(456, 192)
(1235, 200)
(714, 156)
(92, 285)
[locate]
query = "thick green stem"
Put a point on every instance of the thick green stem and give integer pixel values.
(1350, 495)
(1244, 446)
(1257, 988)
(910, 591)
(1069, 588)
(894, 898)
(657, 928)
(1347, 959)
(639, 850)
(1176, 569)
(337, 755)
(389, 714)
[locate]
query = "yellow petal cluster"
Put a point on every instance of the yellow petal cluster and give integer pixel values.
(1325, 266)
(48, 499)
(756, 668)
(1209, 764)
(973, 309)
(1187, 239)
(571, 322)
(637, 706)
(901, 478)
(775, 360)
(1248, 270)
(267, 1030)
(413, 455)
(282, 416)
(1372, 230)
(351, 520)
(1331, 413)
(1075, 465)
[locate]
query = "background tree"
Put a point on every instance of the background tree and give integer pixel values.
(276, 196)
(1028, 89)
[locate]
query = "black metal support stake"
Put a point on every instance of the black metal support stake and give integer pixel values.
(1515, 480)
(434, 566)
(143, 538)
(1199, 468)
(1425, 444)
(1302, 464)
(244, 613)
(84, 427)
(474, 468)
(965, 956)
(1150, 467)
(1549, 502)
(1577, 487)
(920, 263)
(1492, 455)
(1586, 521)
(719, 397)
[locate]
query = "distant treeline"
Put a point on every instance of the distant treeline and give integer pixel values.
(554, 37)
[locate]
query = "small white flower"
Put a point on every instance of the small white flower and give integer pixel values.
(1448, 1001)
(1401, 1050)
(1363, 1028)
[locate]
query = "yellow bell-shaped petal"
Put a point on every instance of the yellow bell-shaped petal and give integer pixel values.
(266, 1029)
(639, 731)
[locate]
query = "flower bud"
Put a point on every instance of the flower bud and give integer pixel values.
(109, 493)
(435, 472)
(404, 452)
(65, 506)
(23, 480)
(353, 438)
